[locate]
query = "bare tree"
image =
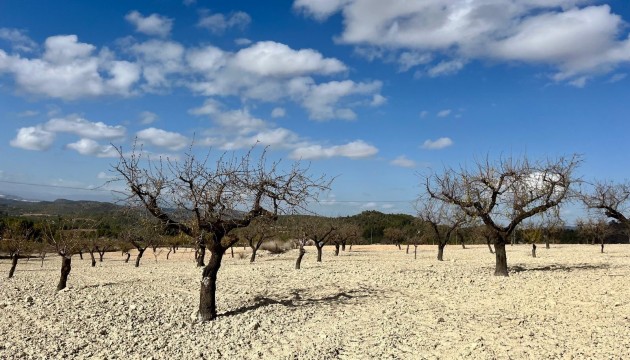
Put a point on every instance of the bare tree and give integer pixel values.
(217, 200)
(504, 193)
(67, 238)
(318, 230)
(593, 230)
(611, 198)
(259, 231)
(345, 233)
(443, 218)
(395, 235)
(15, 238)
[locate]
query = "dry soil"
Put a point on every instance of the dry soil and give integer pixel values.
(375, 302)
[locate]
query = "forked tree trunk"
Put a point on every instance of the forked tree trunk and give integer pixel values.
(337, 246)
(66, 266)
(201, 254)
(93, 258)
(440, 255)
(140, 253)
(298, 262)
(533, 250)
(100, 255)
(14, 261)
(407, 248)
(255, 248)
(501, 268)
(489, 246)
(207, 293)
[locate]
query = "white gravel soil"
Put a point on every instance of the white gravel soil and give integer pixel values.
(376, 302)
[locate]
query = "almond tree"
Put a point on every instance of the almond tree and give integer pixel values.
(395, 235)
(444, 219)
(504, 193)
(259, 231)
(613, 199)
(15, 238)
(217, 200)
(593, 230)
(345, 233)
(67, 238)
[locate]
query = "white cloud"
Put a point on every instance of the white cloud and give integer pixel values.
(147, 117)
(218, 23)
(159, 59)
(320, 100)
(33, 138)
(424, 114)
(444, 113)
(440, 143)
(242, 41)
(403, 161)
(163, 138)
(153, 24)
(18, 39)
(84, 128)
(93, 148)
(354, 150)
(369, 205)
(573, 36)
(69, 70)
(378, 100)
(269, 58)
(409, 59)
(278, 112)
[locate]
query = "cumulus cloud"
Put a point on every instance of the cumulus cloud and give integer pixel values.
(440, 143)
(93, 148)
(84, 128)
(269, 58)
(320, 100)
(242, 41)
(70, 70)
(218, 23)
(153, 24)
(403, 161)
(33, 138)
(575, 37)
(278, 112)
(162, 138)
(353, 150)
(378, 100)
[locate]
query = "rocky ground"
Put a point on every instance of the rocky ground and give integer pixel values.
(376, 302)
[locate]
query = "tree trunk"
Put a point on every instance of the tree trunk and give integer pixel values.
(128, 256)
(343, 246)
(399, 247)
(501, 268)
(42, 256)
(337, 249)
(81, 255)
(546, 243)
(93, 258)
(169, 252)
(66, 266)
(14, 261)
(602, 247)
(254, 250)
(407, 248)
(350, 247)
(319, 253)
(533, 250)
(232, 250)
(207, 293)
(140, 253)
(489, 246)
(201, 255)
(415, 252)
(441, 247)
(298, 262)
(100, 256)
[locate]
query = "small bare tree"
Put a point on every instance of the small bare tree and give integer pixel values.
(444, 219)
(67, 238)
(15, 238)
(593, 230)
(611, 198)
(217, 199)
(259, 231)
(504, 193)
(395, 235)
(345, 233)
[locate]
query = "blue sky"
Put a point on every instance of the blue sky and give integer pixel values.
(372, 92)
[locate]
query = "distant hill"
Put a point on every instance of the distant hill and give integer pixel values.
(17, 206)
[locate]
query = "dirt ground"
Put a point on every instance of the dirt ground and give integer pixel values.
(375, 302)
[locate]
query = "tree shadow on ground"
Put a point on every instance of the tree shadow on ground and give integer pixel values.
(518, 268)
(297, 300)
